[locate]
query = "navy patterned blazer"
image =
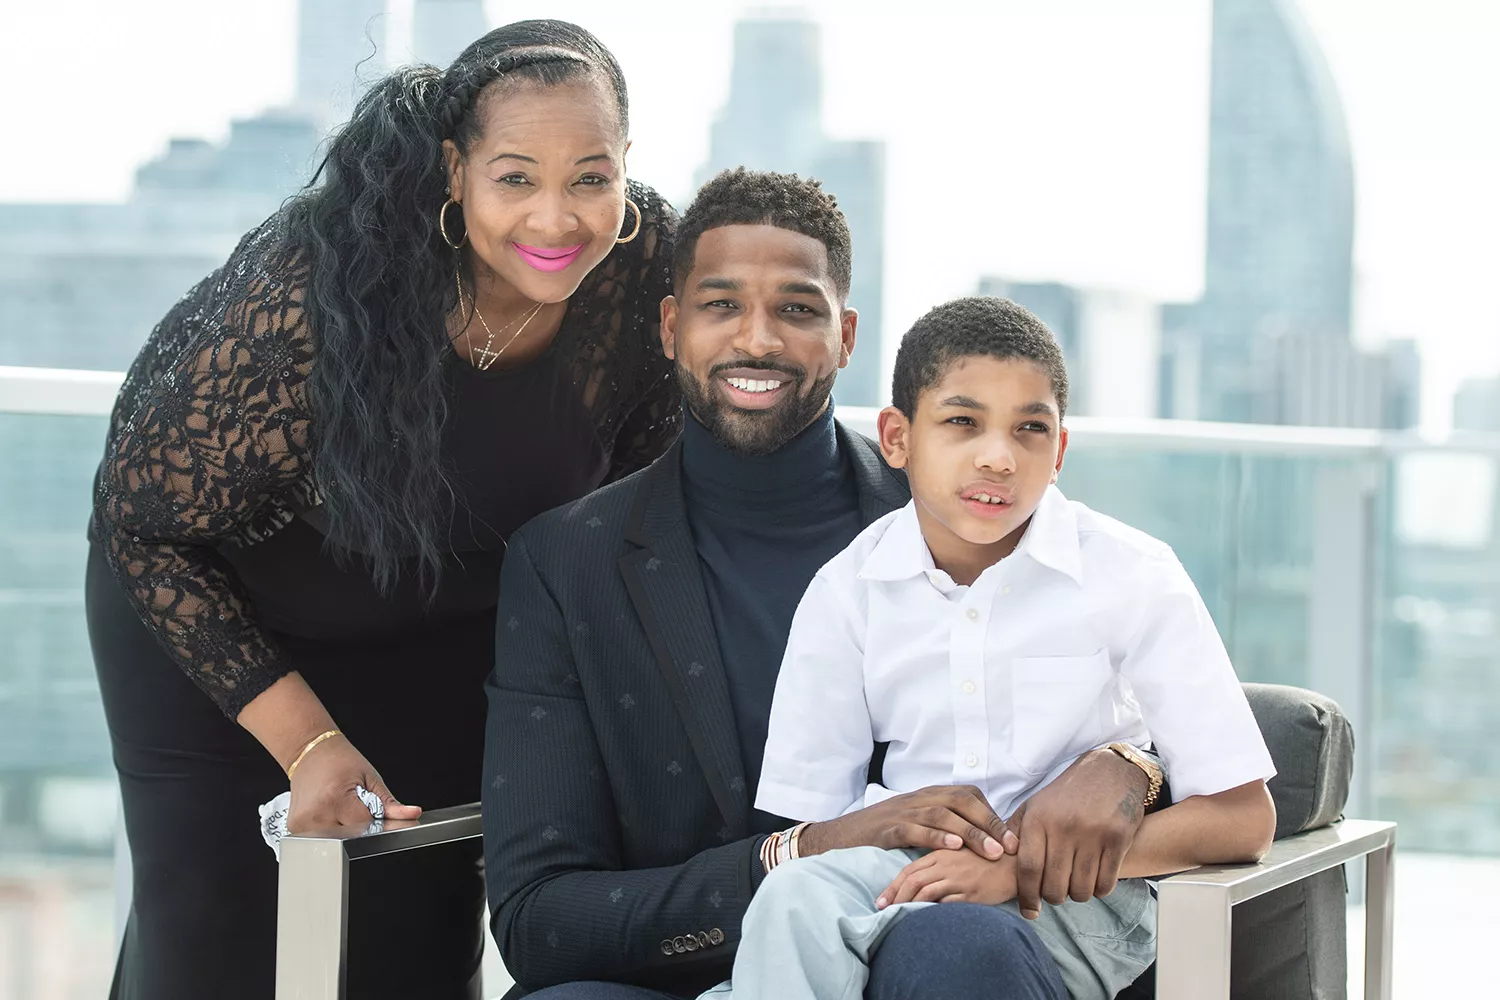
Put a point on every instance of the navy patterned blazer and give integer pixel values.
(616, 834)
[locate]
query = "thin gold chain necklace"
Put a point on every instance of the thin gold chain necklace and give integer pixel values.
(485, 357)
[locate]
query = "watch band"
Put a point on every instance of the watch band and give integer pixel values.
(1154, 774)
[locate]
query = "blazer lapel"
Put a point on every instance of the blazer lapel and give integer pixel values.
(882, 489)
(666, 587)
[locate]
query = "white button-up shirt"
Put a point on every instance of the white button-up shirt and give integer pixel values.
(1089, 633)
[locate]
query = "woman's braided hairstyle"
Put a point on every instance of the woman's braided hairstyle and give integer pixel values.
(381, 282)
(544, 52)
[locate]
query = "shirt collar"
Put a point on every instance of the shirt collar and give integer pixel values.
(1051, 539)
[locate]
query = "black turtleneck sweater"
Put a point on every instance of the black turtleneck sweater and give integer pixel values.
(764, 525)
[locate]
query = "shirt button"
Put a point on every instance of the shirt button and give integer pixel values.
(1005, 591)
(969, 687)
(972, 760)
(973, 614)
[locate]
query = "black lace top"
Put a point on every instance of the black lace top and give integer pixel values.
(207, 503)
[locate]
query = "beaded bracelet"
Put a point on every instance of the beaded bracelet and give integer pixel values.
(781, 847)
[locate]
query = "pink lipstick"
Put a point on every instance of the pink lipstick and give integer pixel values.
(549, 259)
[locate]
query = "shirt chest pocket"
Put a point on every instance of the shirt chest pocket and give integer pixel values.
(1055, 707)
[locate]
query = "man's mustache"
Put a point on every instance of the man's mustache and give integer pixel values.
(790, 374)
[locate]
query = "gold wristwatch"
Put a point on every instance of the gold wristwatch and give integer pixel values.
(1153, 771)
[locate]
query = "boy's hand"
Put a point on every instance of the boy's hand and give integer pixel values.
(947, 876)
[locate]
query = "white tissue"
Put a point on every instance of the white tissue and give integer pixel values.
(273, 817)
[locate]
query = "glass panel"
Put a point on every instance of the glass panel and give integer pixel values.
(58, 800)
(1438, 686)
(1241, 526)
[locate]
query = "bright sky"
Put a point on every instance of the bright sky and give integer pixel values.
(1061, 139)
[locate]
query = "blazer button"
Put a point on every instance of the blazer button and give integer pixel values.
(666, 947)
(703, 941)
(690, 942)
(678, 946)
(715, 936)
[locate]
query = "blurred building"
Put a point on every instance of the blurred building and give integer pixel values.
(1403, 385)
(81, 286)
(1269, 342)
(340, 46)
(1331, 382)
(1476, 405)
(774, 121)
(441, 29)
(1111, 341)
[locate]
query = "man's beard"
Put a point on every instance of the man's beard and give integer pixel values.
(755, 432)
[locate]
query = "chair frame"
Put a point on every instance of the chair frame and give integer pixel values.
(312, 912)
(1194, 915)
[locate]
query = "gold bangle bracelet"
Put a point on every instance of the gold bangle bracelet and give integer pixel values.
(308, 749)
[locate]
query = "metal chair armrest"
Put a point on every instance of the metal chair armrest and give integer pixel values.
(312, 928)
(1194, 908)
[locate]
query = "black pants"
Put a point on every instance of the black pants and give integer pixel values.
(203, 915)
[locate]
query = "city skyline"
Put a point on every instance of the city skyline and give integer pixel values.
(1067, 217)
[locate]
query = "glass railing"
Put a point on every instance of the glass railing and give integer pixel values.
(1362, 565)
(58, 800)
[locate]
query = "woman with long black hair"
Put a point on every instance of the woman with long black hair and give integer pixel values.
(309, 477)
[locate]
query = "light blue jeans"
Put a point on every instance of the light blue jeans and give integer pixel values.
(812, 928)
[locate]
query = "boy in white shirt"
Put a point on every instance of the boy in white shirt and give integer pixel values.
(991, 632)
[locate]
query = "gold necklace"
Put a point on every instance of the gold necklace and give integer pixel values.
(484, 357)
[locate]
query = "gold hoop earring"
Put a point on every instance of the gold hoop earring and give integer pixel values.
(443, 225)
(637, 229)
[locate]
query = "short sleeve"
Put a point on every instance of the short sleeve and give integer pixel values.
(820, 741)
(1194, 707)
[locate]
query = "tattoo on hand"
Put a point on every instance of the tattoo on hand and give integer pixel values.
(1132, 808)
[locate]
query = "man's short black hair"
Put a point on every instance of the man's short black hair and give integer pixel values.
(741, 197)
(978, 326)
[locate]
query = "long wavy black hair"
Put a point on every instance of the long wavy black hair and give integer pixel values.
(381, 284)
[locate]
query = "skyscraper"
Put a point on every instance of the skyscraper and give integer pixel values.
(1476, 405)
(441, 29)
(1110, 339)
(340, 48)
(774, 121)
(1280, 210)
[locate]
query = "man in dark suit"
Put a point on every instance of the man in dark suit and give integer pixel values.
(639, 636)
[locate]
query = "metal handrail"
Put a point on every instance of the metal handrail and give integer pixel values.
(76, 392)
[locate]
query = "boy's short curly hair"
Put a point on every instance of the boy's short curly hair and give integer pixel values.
(742, 197)
(977, 326)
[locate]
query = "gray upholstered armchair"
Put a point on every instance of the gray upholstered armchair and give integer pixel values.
(1279, 929)
(1275, 929)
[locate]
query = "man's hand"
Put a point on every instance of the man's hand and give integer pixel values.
(942, 816)
(953, 877)
(1075, 832)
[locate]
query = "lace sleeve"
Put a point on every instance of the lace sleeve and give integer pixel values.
(209, 445)
(654, 419)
